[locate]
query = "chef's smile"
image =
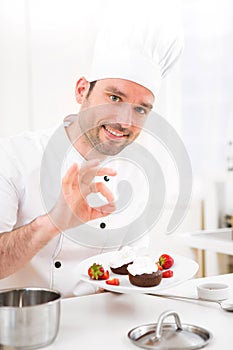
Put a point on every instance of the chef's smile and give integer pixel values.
(114, 133)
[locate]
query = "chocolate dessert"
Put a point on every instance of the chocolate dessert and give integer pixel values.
(144, 272)
(121, 260)
(122, 270)
(146, 279)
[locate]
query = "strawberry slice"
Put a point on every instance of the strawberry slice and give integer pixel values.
(96, 271)
(167, 274)
(113, 282)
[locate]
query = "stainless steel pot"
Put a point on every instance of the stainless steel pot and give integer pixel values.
(29, 317)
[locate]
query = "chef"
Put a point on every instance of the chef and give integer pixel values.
(77, 190)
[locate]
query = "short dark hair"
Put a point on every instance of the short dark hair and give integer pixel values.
(92, 84)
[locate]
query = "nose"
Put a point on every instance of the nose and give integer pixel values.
(125, 116)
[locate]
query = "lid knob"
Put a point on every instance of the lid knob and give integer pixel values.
(159, 328)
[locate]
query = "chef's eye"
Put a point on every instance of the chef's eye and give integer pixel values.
(114, 98)
(141, 110)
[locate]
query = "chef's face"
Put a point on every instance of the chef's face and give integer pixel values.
(111, 114)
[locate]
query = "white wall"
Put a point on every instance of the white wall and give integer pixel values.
(207, 90)
(207, 82)
(14, 67)
(45, 47)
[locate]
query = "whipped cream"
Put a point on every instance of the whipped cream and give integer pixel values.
(124, 256)
(142, 264)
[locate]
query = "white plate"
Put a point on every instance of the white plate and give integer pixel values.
(183, 269)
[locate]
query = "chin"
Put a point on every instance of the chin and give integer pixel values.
(109, 151)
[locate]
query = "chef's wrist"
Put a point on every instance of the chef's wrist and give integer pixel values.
(45, 225)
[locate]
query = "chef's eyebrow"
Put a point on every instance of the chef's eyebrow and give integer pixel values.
(114, 90)
(146, 105)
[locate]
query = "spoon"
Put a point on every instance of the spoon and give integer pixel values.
(226, 305)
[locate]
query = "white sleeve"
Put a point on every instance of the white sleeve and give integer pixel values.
(8, 193)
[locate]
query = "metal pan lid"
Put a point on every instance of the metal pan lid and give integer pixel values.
(170, 336)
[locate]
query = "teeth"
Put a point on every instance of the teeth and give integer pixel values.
(113, 132)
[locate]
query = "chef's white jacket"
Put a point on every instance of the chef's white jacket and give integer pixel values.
(28, 172)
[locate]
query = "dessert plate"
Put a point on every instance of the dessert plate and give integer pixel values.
(183, 269)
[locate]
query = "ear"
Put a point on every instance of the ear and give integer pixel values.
(82, 87)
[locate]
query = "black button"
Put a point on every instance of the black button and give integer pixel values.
(57, 264)
(106, 178)
(102, 225)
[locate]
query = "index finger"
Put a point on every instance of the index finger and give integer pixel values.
(89, 174)
(106, 171)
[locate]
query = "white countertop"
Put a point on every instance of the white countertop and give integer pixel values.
(102, 321)
(218, 241)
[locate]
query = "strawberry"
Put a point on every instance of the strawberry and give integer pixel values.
(167, 274)
(96, 271)
(113, 282)
(166, 261)
(105, 275)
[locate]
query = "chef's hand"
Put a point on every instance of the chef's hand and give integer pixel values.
(72, 208)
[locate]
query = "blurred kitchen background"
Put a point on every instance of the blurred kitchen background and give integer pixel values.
(46, 45)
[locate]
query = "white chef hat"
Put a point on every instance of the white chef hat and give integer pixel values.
(139, 40)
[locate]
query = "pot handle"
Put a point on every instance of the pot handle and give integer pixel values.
(158, 332)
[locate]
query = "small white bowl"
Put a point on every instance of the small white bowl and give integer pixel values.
(213, 291)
